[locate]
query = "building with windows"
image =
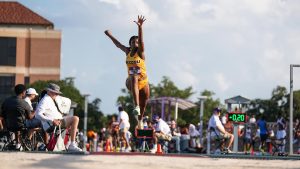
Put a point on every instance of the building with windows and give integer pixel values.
(29, 47)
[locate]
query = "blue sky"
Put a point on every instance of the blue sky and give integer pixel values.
(232, 47)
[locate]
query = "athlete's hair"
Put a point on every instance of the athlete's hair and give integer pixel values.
(133, 38)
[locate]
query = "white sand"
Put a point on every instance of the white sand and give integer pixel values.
(21, 160)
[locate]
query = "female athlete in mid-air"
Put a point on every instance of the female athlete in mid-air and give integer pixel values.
(137, 81)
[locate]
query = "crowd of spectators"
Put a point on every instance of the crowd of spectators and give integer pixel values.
(18, 115)
(19, 112)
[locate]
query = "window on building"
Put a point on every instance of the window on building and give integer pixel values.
(26, 80)
(8, 51)
(7, 84)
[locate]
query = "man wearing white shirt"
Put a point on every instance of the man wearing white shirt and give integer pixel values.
(281, 133)
(216, 125)
(49, 114)
(32, 122)
(162, 131)
(124, 126)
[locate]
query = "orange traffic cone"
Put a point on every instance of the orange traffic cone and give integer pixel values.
(158, 150)
(107, 146)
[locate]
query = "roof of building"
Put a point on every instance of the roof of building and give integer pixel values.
(237, 100)
(14, 13)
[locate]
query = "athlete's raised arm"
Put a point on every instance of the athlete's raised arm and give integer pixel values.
(116, 42)
(139, 22)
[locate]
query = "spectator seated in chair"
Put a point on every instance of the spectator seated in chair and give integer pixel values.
(175, 136)
(217, 129)
(33, 123)
(48, 112)
(162, 133)
(194, 145)
(15, 111)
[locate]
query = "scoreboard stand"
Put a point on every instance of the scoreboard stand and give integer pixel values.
(237, 118)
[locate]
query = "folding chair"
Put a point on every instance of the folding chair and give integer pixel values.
(277, 145)
(25, 142)
(220, 141)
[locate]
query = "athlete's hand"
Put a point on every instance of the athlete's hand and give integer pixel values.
(107, 32)
(140, 21)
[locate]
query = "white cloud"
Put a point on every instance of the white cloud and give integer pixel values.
(116, 3)
(238, 39)
(260, 7)
(180, 10)
(292, 42)
(183, 74)
(129, 10)
(273, 66)
(222, 82)
(189, 41)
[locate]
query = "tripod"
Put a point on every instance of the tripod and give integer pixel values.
(142, 135)
(144, 146)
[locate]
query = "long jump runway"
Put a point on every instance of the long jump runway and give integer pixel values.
(190, 155)
(103, 160)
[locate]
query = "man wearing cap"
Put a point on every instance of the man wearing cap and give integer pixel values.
(216, 124)
(50, 115)
(32, 122)
(31, 94)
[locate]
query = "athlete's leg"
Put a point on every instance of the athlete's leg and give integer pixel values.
(132, 86)
(144, 96)
(128, 83)
(135, 89)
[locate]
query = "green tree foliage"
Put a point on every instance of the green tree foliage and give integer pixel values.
(296, 104)
(279, 102)
(260, 107)
(209, 104)
(96, 119)
(167, 88)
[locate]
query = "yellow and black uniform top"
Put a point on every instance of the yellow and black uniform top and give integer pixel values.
(136, 66)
